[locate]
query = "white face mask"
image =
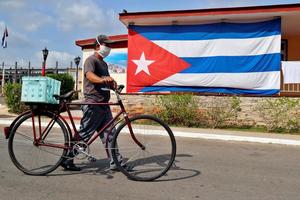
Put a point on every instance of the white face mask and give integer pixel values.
(104, 51)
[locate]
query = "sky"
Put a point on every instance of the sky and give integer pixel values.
(56, 24)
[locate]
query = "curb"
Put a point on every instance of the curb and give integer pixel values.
(213, 136)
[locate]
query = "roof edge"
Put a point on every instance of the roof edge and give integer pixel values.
(91, 41)
(207, 11)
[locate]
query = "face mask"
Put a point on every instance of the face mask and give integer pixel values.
(104, 51)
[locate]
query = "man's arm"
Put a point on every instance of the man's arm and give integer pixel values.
(108, 80)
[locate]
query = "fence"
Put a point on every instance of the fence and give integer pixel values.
(291, 89)
(14, 73)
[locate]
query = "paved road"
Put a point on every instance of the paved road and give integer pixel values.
(207, 169)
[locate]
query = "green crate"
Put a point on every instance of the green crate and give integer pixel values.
(40, 89)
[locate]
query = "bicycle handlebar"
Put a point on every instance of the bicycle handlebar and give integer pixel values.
(118, 90)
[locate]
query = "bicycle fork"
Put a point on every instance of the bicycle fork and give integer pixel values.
(132, 134)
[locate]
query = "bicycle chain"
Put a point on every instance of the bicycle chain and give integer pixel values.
(90, 157)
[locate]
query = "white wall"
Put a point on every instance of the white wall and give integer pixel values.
(120, 78)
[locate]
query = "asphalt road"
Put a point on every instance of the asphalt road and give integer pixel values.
(206, 169)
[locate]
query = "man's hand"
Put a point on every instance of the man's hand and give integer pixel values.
(107, 80)
(110, 82)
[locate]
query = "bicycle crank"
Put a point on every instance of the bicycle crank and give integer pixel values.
(81, 151)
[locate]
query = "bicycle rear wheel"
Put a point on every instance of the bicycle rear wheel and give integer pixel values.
(156, 155)
(38, 158)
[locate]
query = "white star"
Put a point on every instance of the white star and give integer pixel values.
(142, 64)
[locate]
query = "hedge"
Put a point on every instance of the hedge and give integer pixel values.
(12, 92)
(67, 82)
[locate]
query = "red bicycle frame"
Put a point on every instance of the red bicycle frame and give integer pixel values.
(75, 135)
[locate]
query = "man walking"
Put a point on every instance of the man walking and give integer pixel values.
(96, 77)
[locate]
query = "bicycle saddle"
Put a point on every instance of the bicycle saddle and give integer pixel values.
(66, 96)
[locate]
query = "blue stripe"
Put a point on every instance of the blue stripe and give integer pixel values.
(120, 56)
(233, 64)
(210, 90)
(222, 30)
(117, 58)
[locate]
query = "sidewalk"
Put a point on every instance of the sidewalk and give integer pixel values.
(210, 134)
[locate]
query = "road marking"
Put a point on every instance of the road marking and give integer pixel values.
(212, 136)
(209, 136)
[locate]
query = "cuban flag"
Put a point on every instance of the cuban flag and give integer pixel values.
(4, 38)
(231, 58)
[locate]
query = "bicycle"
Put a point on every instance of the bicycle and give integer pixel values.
(146, 143)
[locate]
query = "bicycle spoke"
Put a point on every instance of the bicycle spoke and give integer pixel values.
(25, 136)
(134, 157)
(44, 156)
(156, 158)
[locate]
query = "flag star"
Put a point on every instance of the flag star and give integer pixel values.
(142, 64)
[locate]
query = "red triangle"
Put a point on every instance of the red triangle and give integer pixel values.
(165, 63)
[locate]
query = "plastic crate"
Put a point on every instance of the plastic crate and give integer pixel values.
(40, 89)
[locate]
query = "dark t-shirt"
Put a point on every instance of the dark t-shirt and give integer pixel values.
(92, 92)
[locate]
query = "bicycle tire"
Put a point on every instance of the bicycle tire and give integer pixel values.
(33, 159)
(145, 164)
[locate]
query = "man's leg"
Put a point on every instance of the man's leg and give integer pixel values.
(107, 116)
(91, 120)
(89, 123)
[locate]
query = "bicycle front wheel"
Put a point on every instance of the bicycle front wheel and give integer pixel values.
(144, 149)
(43, 155)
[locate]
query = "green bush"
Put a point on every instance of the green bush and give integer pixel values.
(178, 110)
(12, 95)
(222, 112)
(67, 82)
(12, 92)
(184, 110)
(280, 114)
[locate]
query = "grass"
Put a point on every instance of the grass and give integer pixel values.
(258, 129)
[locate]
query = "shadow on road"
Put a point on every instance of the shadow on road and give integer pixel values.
(178, 172)
(100, 167)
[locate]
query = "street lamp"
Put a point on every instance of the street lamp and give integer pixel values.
(45, 55)
(77, 61)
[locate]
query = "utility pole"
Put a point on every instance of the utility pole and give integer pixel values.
(16, 72)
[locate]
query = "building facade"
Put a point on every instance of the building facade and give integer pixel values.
(289, 14)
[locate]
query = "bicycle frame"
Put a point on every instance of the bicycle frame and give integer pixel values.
(111, 125)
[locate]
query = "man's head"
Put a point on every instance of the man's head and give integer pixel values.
(102, 45)
(103, 39)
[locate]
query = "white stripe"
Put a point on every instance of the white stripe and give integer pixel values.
(257, 80)
(223, 137)
(222, 47)
(209, 136)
